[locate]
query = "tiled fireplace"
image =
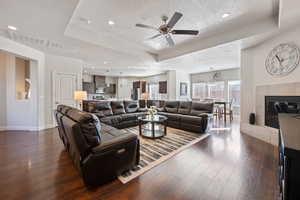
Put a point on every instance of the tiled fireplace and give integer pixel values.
(275, 104)
(266, 127)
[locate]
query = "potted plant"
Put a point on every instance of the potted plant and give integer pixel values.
(152, 111)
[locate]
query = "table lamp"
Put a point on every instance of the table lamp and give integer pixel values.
(145, 96)
(79, 96)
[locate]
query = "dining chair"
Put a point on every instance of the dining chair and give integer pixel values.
(229, 110)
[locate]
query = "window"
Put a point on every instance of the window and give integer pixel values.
(199, 90)
(234, 92)
(215, 90)
(153, 91)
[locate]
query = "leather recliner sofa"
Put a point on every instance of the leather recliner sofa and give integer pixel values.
(119, 114)
(100, 152)
(186, 115)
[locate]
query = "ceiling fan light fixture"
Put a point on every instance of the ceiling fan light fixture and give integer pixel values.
(111, 23)
(166, 29)
(13, 28)
(225, 15)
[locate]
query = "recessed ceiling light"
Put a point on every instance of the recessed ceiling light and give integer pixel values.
(110, 22)
(12, 28)
(85, 20)
(105, 62)
(225, 15)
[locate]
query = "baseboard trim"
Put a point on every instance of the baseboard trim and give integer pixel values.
(19, 128)
(25, 128)
(46, 127)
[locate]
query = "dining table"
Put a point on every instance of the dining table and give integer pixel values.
(223, 103)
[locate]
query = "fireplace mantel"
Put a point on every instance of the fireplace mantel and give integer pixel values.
(259, 130)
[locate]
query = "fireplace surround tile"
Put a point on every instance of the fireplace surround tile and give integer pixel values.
(260, 131)
(287, 89)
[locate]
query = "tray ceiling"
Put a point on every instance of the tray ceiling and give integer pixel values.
(80, 29)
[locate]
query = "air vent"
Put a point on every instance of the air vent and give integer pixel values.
(30, 40)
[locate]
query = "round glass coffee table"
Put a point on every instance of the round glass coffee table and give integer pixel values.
(153, 127)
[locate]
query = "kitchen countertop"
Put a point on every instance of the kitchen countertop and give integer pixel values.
(290, 130)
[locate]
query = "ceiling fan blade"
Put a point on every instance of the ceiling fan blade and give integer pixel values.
(170, 40)
(146, 26)
(175, 18)
(185, 32)
(155, 36)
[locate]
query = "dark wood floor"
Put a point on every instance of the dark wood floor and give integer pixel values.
(225, 166)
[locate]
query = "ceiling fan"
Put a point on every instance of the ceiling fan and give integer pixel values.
(166, 29)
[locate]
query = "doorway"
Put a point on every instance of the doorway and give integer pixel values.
(64, 85)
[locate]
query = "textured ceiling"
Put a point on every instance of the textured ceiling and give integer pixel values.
(197, 15)
(61, 28)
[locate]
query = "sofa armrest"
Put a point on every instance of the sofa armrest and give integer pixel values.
(99, 114)
(114, 156)
(142, 109)
(204, 121)
(114, 142)
(92, 140)
(205, 115)
(160, 109)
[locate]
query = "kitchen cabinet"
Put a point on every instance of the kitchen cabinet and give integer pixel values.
(111, 89)
(99, 81)
(141, 85)
(163, 87)
(88, 87)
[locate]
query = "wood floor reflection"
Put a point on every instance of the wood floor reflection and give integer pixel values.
(226, 165)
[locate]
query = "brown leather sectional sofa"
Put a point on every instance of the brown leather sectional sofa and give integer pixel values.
(100, 152)
(186, 115)
(119, 114)
(99, 148)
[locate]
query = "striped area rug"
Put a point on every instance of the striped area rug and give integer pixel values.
(155, 151)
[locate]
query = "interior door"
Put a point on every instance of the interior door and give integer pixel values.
(64, 87)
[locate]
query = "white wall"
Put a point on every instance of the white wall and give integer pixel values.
(155, 78)
(173, 78)
(229, 74)
(21, 114)
(225, 76)
(254, 74)
(39, 58)
(17, 114)
(183, 77)
(2, 91)
(43, 73)
(37, 101)
(62, 65)
(124, 87)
